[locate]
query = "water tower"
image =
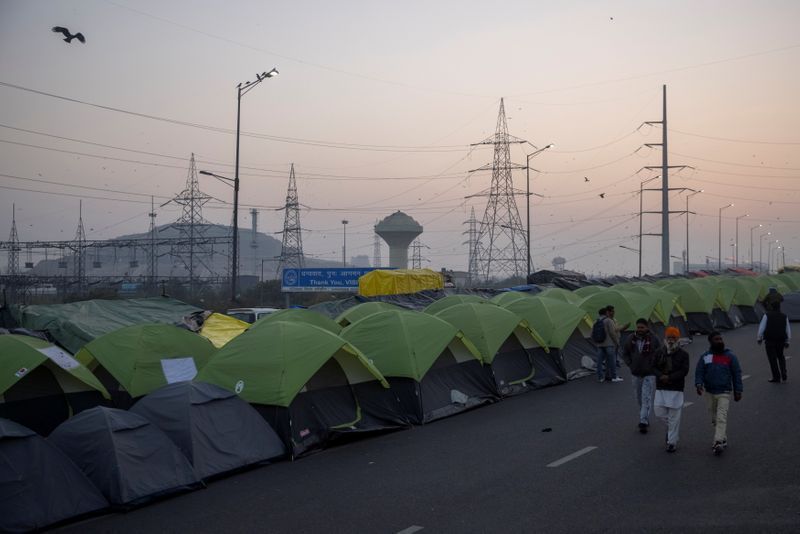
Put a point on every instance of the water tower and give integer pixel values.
(398, 230)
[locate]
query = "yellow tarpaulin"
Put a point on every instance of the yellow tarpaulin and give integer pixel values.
(220, 328)
(400, 281)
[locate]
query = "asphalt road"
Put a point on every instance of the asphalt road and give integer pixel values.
(487, 471)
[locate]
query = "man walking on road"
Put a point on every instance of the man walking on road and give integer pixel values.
(671, 366)
(718, 373)
(775, 332)
(639, 355)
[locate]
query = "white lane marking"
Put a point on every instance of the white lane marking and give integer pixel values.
(687, 404)
(410, 530)
(572, 456)
(745, 377)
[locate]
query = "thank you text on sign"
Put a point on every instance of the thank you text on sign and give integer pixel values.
(339, 279)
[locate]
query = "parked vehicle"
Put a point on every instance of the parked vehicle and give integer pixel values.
(250, 315)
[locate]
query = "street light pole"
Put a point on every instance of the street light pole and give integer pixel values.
(736, 252)
(528, 200)
(344, 242)
(760, 250)
(769, 256)
(719, 235)
(752, 265)
(241, 90)
(687, 226)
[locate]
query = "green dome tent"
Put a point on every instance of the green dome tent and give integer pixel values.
(507, 346)
(135, 360)
(360, 311)
(668, 311)
(745, 297)
(792, 280)
(587, 291)
(767, 281)
(503, 299)
(698, 300)
(561, 294)
(563, 327)
(308, 383)
(725, 315)
(435, 371)
(303, 315)
(451, 300)
(42, 385)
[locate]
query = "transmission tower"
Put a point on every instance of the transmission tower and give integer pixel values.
(664, 189)
(79, 246)
(504, 253)
(376, 250)
(472, 259)
(416, 254)
(292, 244)
(13, 238)
(190, 225)
(152, 259)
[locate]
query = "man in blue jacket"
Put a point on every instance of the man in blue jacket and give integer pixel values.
(718, 373)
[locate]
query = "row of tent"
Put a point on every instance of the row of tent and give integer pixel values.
(310, 379)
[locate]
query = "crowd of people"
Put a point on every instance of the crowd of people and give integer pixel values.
(659, 368)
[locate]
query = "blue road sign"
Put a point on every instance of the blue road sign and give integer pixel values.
(339, 279)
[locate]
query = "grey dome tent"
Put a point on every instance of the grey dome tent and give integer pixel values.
(216, 430)
(39, 485)
(129, 459)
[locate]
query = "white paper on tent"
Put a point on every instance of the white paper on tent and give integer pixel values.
(178, 369)
(60, 357)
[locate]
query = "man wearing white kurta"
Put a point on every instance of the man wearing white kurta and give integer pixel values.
(672, 366)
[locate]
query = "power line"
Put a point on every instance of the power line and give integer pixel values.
(735, 164)
(281, 139)
(730, 140)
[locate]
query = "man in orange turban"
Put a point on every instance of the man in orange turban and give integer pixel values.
(672, 366)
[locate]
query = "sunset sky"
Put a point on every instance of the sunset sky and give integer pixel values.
(377, 103)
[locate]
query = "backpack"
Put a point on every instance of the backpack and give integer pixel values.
(599, 331)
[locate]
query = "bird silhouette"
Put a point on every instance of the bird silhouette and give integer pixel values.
(602, 195)
(585, 179)
(68, 37)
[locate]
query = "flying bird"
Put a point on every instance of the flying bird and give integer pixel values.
(68, 37)
(602, 195)
(585, 179)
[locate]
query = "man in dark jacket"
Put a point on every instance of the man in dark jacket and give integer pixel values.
(639, 355)
(718, 373)
(671, 367)
(775, 332)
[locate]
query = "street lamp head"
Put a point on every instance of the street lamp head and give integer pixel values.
(551, 145)
(272, 73)
(204, 172)
(345, 221)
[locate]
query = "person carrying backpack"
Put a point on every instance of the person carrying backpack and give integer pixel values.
(606, 338)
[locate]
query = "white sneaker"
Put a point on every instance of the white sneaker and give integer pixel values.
(617, 379)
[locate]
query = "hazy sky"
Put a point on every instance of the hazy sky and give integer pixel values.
(376, 105)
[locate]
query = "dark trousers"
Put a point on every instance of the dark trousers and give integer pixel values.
(777, 362)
